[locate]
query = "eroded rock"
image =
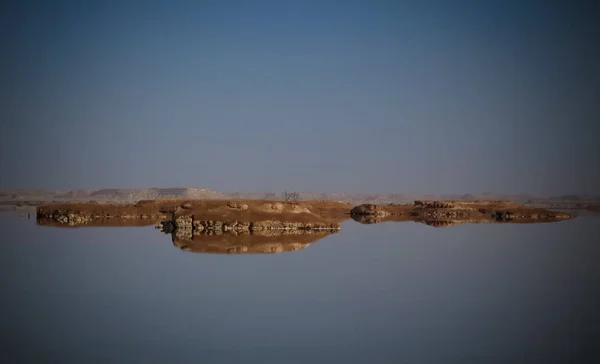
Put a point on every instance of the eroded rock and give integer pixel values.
(237, 205)
(434, 204)
(369, 209)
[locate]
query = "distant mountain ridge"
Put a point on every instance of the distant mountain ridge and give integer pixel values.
(110, 195)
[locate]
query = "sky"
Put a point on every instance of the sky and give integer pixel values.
(324, 96)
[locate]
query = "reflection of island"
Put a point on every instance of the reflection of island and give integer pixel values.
(259, 242)
(452, 213)
(264, 234)
(217, 226)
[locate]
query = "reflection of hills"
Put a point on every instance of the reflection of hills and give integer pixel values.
(258, 242)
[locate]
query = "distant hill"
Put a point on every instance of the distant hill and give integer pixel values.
(36, 197)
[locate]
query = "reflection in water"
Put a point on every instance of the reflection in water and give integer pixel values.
(257, 242)
(439, 223)
(384, 294)
(105, 222)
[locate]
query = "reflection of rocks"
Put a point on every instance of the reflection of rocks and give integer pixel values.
(183, 227)
(249, 242)
(244, 237)
(67, 217)
(438, 214)
(166, 227)
(368, 219)
(82, 218)
(541, 216)
(183, 222)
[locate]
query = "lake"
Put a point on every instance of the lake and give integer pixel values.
(383, 293)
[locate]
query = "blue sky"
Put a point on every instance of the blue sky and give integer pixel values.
(348, 96)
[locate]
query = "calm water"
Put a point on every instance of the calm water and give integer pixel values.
(388, 293)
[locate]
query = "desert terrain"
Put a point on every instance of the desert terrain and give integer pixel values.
(24, 198)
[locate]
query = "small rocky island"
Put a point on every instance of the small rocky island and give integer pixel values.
(450, 213)
(265, 226)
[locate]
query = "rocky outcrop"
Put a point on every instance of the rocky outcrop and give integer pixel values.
(368, 219)
(502, 215)
(442, 223)
(542, 215)
(196, 215)
(369, 209)
(258, 242)
(434, 204)
(185, 226)
(70, 218)
(449, 213)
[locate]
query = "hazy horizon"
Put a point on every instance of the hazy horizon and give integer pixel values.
(280, 192)
(352, 97)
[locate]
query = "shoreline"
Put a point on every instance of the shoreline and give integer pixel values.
(202, 214)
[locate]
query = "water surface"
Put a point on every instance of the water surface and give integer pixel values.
(385, 293)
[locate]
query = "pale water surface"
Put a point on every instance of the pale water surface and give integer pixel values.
(387, 293)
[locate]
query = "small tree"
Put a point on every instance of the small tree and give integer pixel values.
(291, 196)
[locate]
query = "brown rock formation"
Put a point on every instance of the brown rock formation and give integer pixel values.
(77, 215)
(151, 211)
(369, 209)
(450, 213)
(434, 204)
